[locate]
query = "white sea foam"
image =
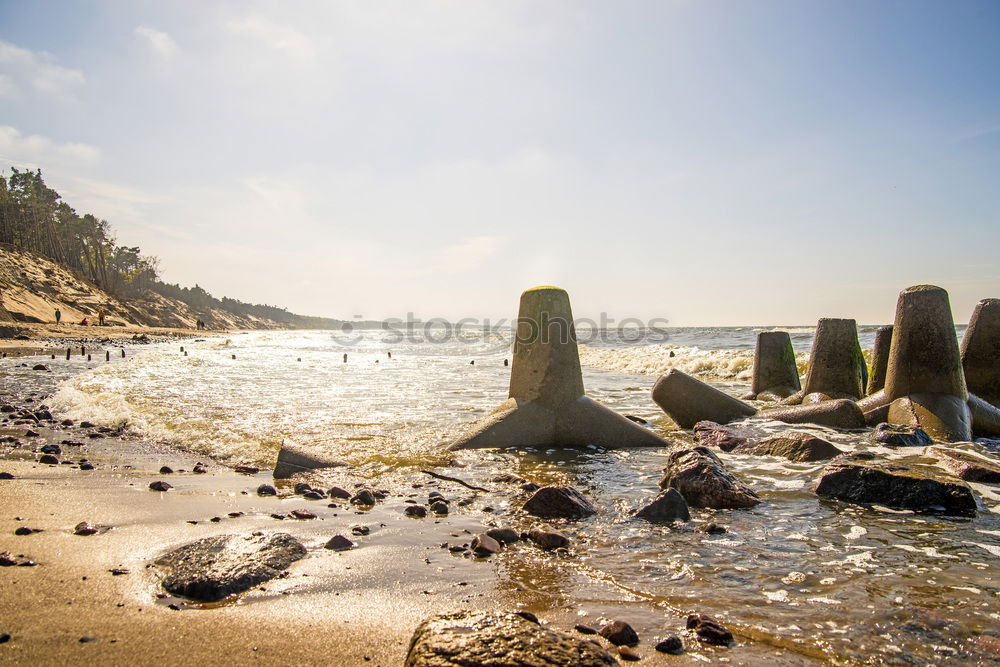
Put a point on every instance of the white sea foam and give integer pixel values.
(733, 365)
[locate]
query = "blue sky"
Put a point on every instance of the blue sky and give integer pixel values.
(706, 162)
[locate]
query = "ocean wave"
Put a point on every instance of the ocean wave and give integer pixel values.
(733, 365)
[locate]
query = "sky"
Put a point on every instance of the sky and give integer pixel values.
(705, 162)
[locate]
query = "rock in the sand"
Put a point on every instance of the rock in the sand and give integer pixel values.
(6, 475)
(899, 435)
(793, 445)
(247, 469)
(584, 629)
(548, 539)
(48, 459)
(337, 492)
(266, 490)
(86, 466)
(563, 502)
(84, 528)
(484, 545)
(712, 434)
(709, 630)
(668, 506)
(465, 638)
(39, 367)
(360, 530)
(339, 543)
(160, 486)
(4, 637)
(199, 469)
(314, 494)
(166, 470)
(294, 459)
(504, 535)
(304, 515)
(416, 511)
(216, 567)
(862, 478)
(619, 633)
(51, 449)
(628, 653)
(711, 528)
(968, 466)
(703, 480)
(671, 644)
(363, 497)
(302, 488)
(439, 507)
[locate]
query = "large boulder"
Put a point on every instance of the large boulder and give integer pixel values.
(703, 480)
(839, 413)
(688, 401)
(294, 459)
(666, 507)
(467, 638)
(863, 478)
(559, 502)
(968, 466)
(216, 567)
(793, 445)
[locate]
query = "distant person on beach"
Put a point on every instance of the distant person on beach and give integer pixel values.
(100, 318)
(58, 315)
(84, 322)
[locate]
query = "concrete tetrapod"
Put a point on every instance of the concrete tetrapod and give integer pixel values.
(775, 374)
(880, 359)
(546, 404)
(924, 382)
(837, 367)
(981, 352)
(688, 401)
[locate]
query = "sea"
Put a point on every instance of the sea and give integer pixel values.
(825, 579)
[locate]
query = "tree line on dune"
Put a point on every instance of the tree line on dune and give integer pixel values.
(34, 218)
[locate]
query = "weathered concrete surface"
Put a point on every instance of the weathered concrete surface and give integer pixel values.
(945, 417)
(838, 413)
(981, 351)
(703, 480)
(968, 466)
(563, 502)
(470, 638)
(688, 401)
(836, 365)
(792, 445)
(985, 418)
(546, 405)
(774, 370)
(293, 459)
(216, 567)
(668, 506)
(880, 359)
(861, 477)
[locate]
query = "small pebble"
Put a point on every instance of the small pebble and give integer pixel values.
(84, 528)
(160, 486)
(266, 490)
(302, 514)
(671, 644)
(4, 638)
(418, 511)
(6, 475)
(584, 629)
(629, 654)
(166, 470)
(339, 543)
(87, 640)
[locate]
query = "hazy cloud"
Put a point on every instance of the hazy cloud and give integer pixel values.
(37, 151)
(159, 42)
(38, 71)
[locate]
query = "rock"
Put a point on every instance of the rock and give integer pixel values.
(792, 445)
(6, 475)
(711, 528)
(775, 372)
(266, 490)
(836, 413)
(39, 367)
(304, 515)
(199, 469)
(530, 487)
(968, 466)
(48, 459)
(584, 629)
(416, 511)
(703, 480)
(439, 507)
(484, 545)
(86, 466)
(711, 434)
(301, 488)
(528, 616)
(51, 449)
(836, 365)
(86, 424)
(862, 478)
(24, 530)
(363, 497)
(339, 543)
(688, 401)
(84, 528)
(671, 644)
(314, 494)
(628, 653)
(88, 639)
(214, 568)
(548, 539)
(619, 633)
(160, 486)
(166, 470)
(337, 492)
(294, 459)
(247, 469)
(562, 502)
(7, 559)
(466, 638)
(897, 435)
(4, 637)
(504, 535)
(668, 506)
(709, 630)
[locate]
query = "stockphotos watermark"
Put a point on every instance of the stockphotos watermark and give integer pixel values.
(503, 333)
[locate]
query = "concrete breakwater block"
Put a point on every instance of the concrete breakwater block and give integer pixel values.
(880, 359)
(981, 351)
(688, 401)
(546, 404)
(943, 416)
(294, 459)
(837, 367)
(837, 413)
(985, 417)
(775, 373)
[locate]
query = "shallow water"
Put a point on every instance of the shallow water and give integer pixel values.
(827, 579)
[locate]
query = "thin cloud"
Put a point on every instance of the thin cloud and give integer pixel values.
(159, 42)
(34, 150)
(38, 71)
(277, 37)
